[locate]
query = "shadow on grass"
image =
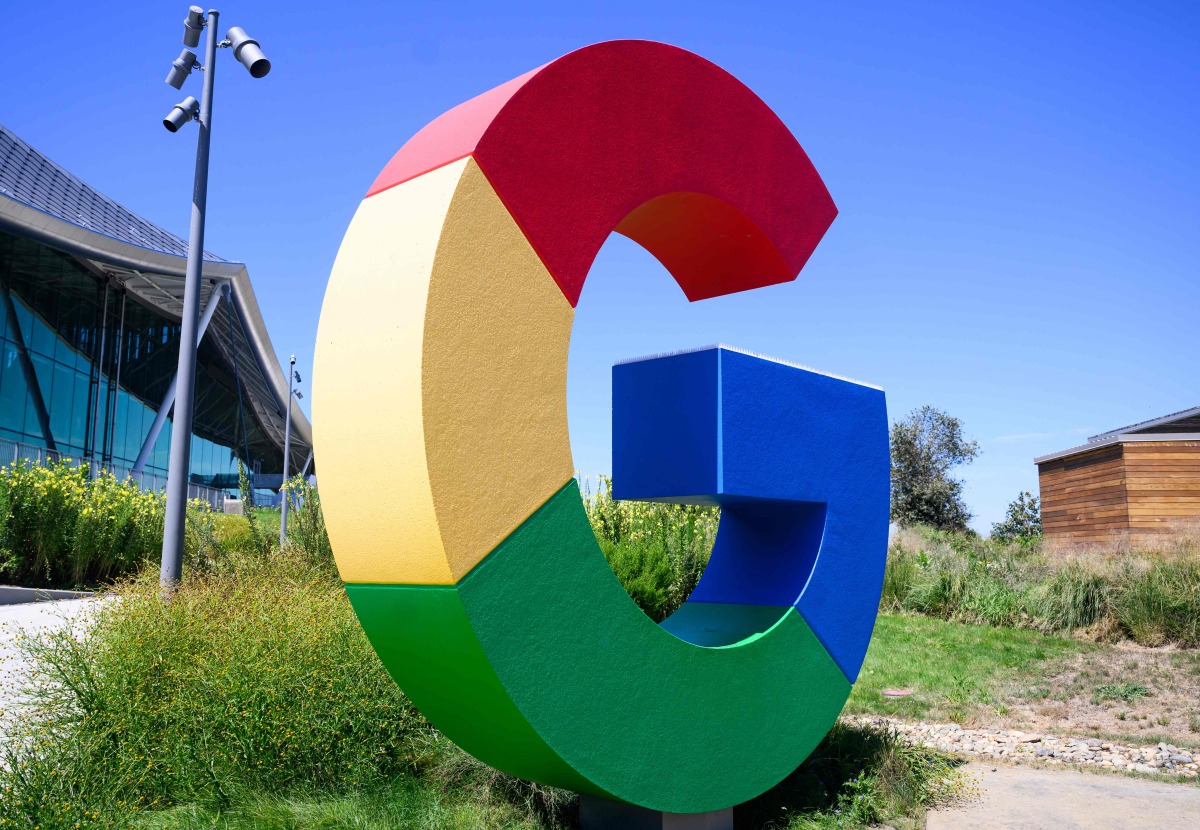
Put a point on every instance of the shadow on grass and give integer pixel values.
(858, 776)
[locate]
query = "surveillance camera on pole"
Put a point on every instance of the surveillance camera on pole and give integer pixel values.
(181, 67)
(246, 50)
(181, 113)
(192, 25)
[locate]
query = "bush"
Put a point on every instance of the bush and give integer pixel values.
(657, 551)
(861, 775)
(250, 697)
(256, 680)
(1150, 595)
(61, 529)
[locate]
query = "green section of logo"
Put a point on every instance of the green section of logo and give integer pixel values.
(538, 663)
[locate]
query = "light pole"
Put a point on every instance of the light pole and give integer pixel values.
(247, 52)
(293, 375)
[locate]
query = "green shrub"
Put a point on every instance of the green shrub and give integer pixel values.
(1150, 595)
(250, 697)
(657, 551)
(60, 529)
(861, 775)
(258, 679)
(306, 523)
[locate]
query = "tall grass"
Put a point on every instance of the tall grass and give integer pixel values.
(61, 529)
(1149, 594)
(257, 678)
(657, 551)
(250, 697)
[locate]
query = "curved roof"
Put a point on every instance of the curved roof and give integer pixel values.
(41, 200)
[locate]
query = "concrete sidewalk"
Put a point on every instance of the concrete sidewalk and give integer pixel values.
(1022, 798)
(31, 617)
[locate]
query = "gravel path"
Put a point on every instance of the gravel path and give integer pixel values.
(1023, 798)
(1013, 745)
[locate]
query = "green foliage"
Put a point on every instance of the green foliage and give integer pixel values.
(258, 679)
(1128, 692)
(859, 776)
(1152, 597)
(657, 551)
(1022, 520)
(60, 529)
(306, 523)
(249, 697)
(914, 652)
(407, 802)
(926, 445)
(260, 540)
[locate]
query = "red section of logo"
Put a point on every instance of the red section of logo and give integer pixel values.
(660, 145)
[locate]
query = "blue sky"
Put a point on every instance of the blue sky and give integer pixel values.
(1017, 182)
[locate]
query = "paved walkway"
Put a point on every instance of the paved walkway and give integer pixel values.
(30, 617)
(1021, 798)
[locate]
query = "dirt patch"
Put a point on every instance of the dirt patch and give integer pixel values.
(1128, 692)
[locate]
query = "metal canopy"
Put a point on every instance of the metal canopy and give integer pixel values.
(42, 201)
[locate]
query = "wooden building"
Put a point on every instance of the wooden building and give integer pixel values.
(1139, 478)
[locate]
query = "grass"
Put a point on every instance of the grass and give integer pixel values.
(1146, 590)
(1128, 692)
(407, 802)
(857, 777)
(954, 670)
(180, 713)
(1022, 679)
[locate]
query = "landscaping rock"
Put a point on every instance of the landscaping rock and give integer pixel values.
(1011, 745)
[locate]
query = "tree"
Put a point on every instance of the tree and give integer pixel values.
(1022, 521)
(926, 445)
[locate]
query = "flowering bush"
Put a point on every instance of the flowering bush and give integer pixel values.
(60, 528)
(658, 551)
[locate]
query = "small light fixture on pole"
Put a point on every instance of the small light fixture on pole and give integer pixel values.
(293, 375)
(188, 110)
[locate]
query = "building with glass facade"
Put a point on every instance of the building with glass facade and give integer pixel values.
(90, 302)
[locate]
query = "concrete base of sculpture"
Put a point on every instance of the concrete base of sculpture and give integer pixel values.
(601, 814)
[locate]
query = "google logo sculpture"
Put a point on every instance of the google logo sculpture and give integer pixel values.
(446, 472)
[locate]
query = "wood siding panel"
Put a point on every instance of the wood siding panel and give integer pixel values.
(1136, 485)
(1083, 495)
(1163, 479)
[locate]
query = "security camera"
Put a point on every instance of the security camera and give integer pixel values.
(193, 24)
(245, 49)
(182, 113)
(181, 67)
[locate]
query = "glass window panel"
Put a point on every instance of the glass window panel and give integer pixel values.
(44, 340)
(60, 403)
(131, 438)
(162, 447)
(43, 370)
(24, 318)
(79, 418)
(12, 391)
(120, 428)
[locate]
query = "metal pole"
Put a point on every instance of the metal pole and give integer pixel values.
(181, 426)
(287, 448)
(99, 379)
(168, 400)
(109, 438)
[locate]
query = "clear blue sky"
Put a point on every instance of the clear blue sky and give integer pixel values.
(1018, 185)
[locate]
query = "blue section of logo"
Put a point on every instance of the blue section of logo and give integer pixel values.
(798, 462)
